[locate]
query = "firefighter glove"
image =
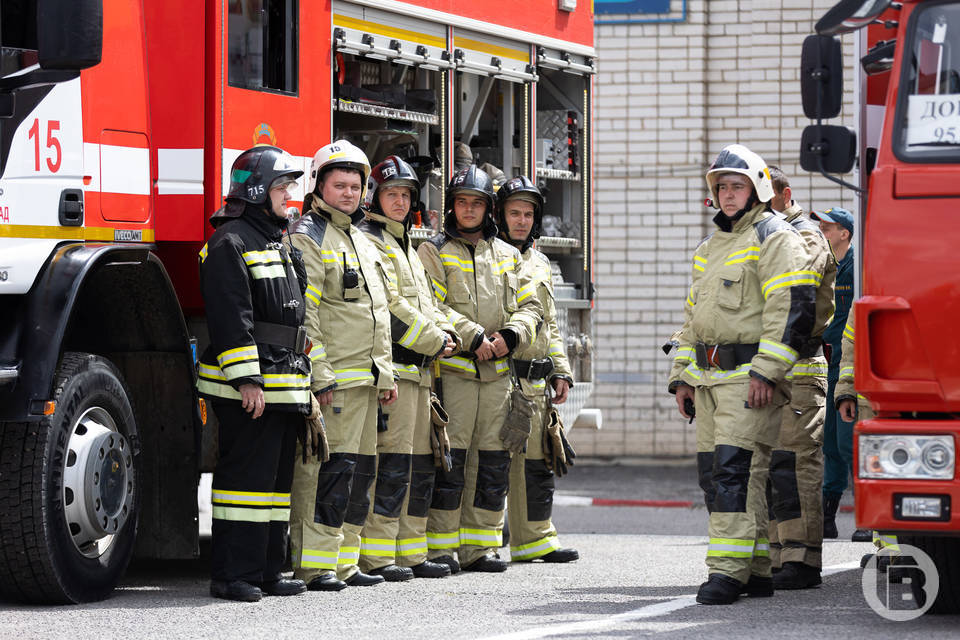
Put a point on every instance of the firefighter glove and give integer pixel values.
(519, 421)
(557, 451)
(315, 434)
(439, 441)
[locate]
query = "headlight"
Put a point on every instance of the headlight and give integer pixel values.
(898, 456)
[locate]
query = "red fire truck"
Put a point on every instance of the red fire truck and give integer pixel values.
(907, 360)
(119, 120)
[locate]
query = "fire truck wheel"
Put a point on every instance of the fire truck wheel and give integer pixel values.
(945, 553)
(68, 490)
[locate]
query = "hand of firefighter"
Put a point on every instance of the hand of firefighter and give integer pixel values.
(500, 348)
(315, 434)
(684, 393)
(759, 395)
(389, 396)
(517, 425)
(557, 452)
(251, 399)
(848, 409)
(485, 350)
(439, 441)
(561, 387)
(449, 346)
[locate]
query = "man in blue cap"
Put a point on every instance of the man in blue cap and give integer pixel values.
(837, 226)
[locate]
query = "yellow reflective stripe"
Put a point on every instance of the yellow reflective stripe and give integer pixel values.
(693, 371)
(737, 257)
(260, 272)
(778, 350)
(241, 514)
(690, 301)
(742, 370)
(379, 547)
(352, 375)
(504, 265)
(295, 380)
(459, 362)
(481, 537)
(790, 279)
(539, 384)
(203, 254)
(557, 350)
(846, 372)
(243, 370)
(450, 260)
(261, 257)
(730, 548)
(240, 353)
(206, 371)
(699, 263)
(406, 368)
(502, 365)
(413, 332)
(762, 548)
(313, 294)
(243, 497)
(348, 555)
(318, 351)
(536, 549)
(439, 291)
(848, 332)
(411, 546)
(685, 354)
(443, 540)
(328, 255)
(525, 293)
(316, 559)
(815, 369)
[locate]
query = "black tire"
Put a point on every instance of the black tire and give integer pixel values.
(46, 557)
(945, 553)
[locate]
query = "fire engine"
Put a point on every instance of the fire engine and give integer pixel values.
(119, 121)
(907, 351)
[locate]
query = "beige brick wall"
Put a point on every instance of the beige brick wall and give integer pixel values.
(668, 97)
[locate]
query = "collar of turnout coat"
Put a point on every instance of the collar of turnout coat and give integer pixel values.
(340, 219)
(741, 219)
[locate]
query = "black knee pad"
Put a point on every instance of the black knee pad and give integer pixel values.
(393, 478)
(731, 476)
(333, 489)
(493, 480)
(363, 479)
(540, 487)
(705, 476)
(422, 476)
(785, 498)
(448, 485)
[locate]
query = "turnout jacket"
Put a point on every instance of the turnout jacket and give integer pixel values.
(535, 269)
(820, 259)
(751, 285)
(417, 326)
(247, 276)
(481, 291)
(350, 335)
(845, 385)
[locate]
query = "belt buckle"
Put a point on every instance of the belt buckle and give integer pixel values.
(301, 344)
(713, 357)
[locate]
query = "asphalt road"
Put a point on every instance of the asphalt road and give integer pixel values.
(638, 573)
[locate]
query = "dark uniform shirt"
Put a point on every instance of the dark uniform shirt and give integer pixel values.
(843, 295)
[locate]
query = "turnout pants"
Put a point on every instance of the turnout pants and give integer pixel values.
(378, 544)
(733, 458)
(796, 474)
(837, 443)
(530, 500)
(251, 492)
(330, 500)
(466, 512)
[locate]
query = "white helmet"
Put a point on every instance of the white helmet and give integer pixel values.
(736, 158)
(341, 154)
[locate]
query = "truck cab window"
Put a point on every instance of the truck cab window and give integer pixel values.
(929, 109)
(18, 35)
(263, 42)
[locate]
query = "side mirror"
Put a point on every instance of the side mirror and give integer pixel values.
(880, 58)
(69, 34)
(828, 149)
(821, 77)
(849, 15)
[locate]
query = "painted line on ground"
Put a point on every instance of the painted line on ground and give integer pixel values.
(648, 611)
(583, 501)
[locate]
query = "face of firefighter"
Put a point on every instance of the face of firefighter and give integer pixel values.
(394, 202)
(837, 236)
(469, 210)
(341, 189)
(280, 194)
(733, 192)
(518, 215)
(781, 201)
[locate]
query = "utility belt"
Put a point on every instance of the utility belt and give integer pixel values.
(402, 355)
(724, 356)
(282, 335)
(533, 369)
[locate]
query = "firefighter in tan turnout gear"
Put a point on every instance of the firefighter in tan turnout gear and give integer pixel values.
(796, 466)
(255, 374)
(348, 322)
(477, 282)
(394, 541)
(530, 501)
(750, 311)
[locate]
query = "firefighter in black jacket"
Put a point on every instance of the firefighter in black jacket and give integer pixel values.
(255, 374)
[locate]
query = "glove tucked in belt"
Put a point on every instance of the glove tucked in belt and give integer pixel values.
(724, 356)
(533, 369)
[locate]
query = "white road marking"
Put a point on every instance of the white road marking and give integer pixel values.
(648, 611)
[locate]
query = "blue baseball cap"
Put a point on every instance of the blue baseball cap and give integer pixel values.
(836, 215)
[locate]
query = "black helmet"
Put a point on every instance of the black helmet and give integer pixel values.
(474, 181)
(392, 172)
(255, 170)
(521, 188)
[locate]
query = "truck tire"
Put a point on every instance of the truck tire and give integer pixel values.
(69, 497)
(945, 553)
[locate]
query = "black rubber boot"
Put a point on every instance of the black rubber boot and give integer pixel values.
(797, 575)
(283, 587)
(862, 535)
(427, 569)
(830, 506)
(562, 555)
(393, 573)
(326, 582)
(235, 590)
(360, 579)
(719, 589)
(450, 561)
(758, 587)
(487, 564)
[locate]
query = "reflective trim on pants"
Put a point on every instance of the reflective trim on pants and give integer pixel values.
(411, 546)
(534, 549)
(730, 548)
(443, 540)
(316, 559)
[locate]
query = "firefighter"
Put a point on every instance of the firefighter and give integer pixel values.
(348, 322)
(837, 225)
(796, 465)
(255, 374)
(396, 529)
(749, 313)
(477, 282)
(530, 500)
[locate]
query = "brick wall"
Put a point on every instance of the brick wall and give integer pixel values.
(669, 96)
